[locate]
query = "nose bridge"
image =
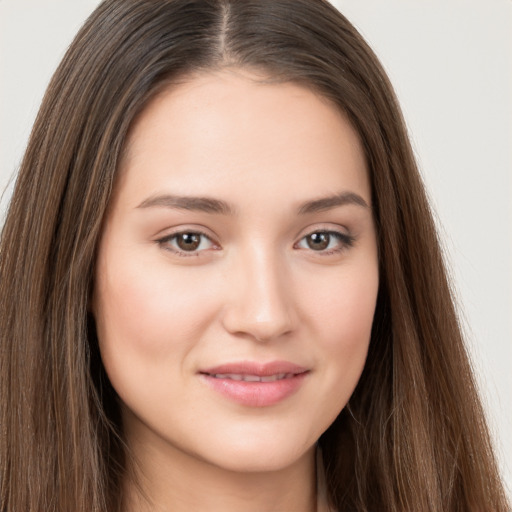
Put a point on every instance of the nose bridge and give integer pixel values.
(260, 304)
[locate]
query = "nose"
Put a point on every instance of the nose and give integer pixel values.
(260, 304)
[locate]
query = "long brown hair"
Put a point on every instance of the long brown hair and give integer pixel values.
(413, 436)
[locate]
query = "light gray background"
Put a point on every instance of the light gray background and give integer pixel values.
(451, 64)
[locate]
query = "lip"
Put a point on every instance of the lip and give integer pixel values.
(280, 379)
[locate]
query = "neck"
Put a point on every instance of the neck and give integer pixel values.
(167, 479)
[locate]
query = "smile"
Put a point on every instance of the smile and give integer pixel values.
(253, 384)
(253, 378)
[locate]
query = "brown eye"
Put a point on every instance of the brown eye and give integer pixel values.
(326, 242)
(318, 241)
(188, 241)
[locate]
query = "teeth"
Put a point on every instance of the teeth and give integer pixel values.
(253, 378)
(272, 378)
(231, 376)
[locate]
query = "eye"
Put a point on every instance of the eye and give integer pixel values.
(326, 241)
(186, 243)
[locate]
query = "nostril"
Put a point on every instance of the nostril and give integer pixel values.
(260, 304)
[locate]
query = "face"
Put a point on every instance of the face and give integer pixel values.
(237, 272)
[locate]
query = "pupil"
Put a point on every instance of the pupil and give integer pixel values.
(318, 241)
(189, 241)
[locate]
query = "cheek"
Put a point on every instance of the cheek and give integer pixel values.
(145, 305)
(339, 314)
(345, 307)
(342, 312)
(147, 321)
(148, 324)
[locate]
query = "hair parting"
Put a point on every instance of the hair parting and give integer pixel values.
(413, 436)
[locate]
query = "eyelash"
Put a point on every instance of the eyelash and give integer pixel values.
(346, 242)
(165, 243)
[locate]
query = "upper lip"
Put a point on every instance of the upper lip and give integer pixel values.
(255, 368)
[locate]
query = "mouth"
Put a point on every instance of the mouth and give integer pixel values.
(252, 378)
(254, 384)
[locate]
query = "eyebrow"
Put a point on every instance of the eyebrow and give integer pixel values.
(217, 206)
(200, 204)
(334, 201)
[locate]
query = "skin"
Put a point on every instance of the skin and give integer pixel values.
(255, 289)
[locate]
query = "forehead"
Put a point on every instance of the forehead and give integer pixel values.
(218, 130)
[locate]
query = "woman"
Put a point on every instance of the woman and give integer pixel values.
(221, 284)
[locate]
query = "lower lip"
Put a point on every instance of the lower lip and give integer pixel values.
(256, 394)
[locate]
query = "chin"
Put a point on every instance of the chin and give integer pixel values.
(258, 454)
